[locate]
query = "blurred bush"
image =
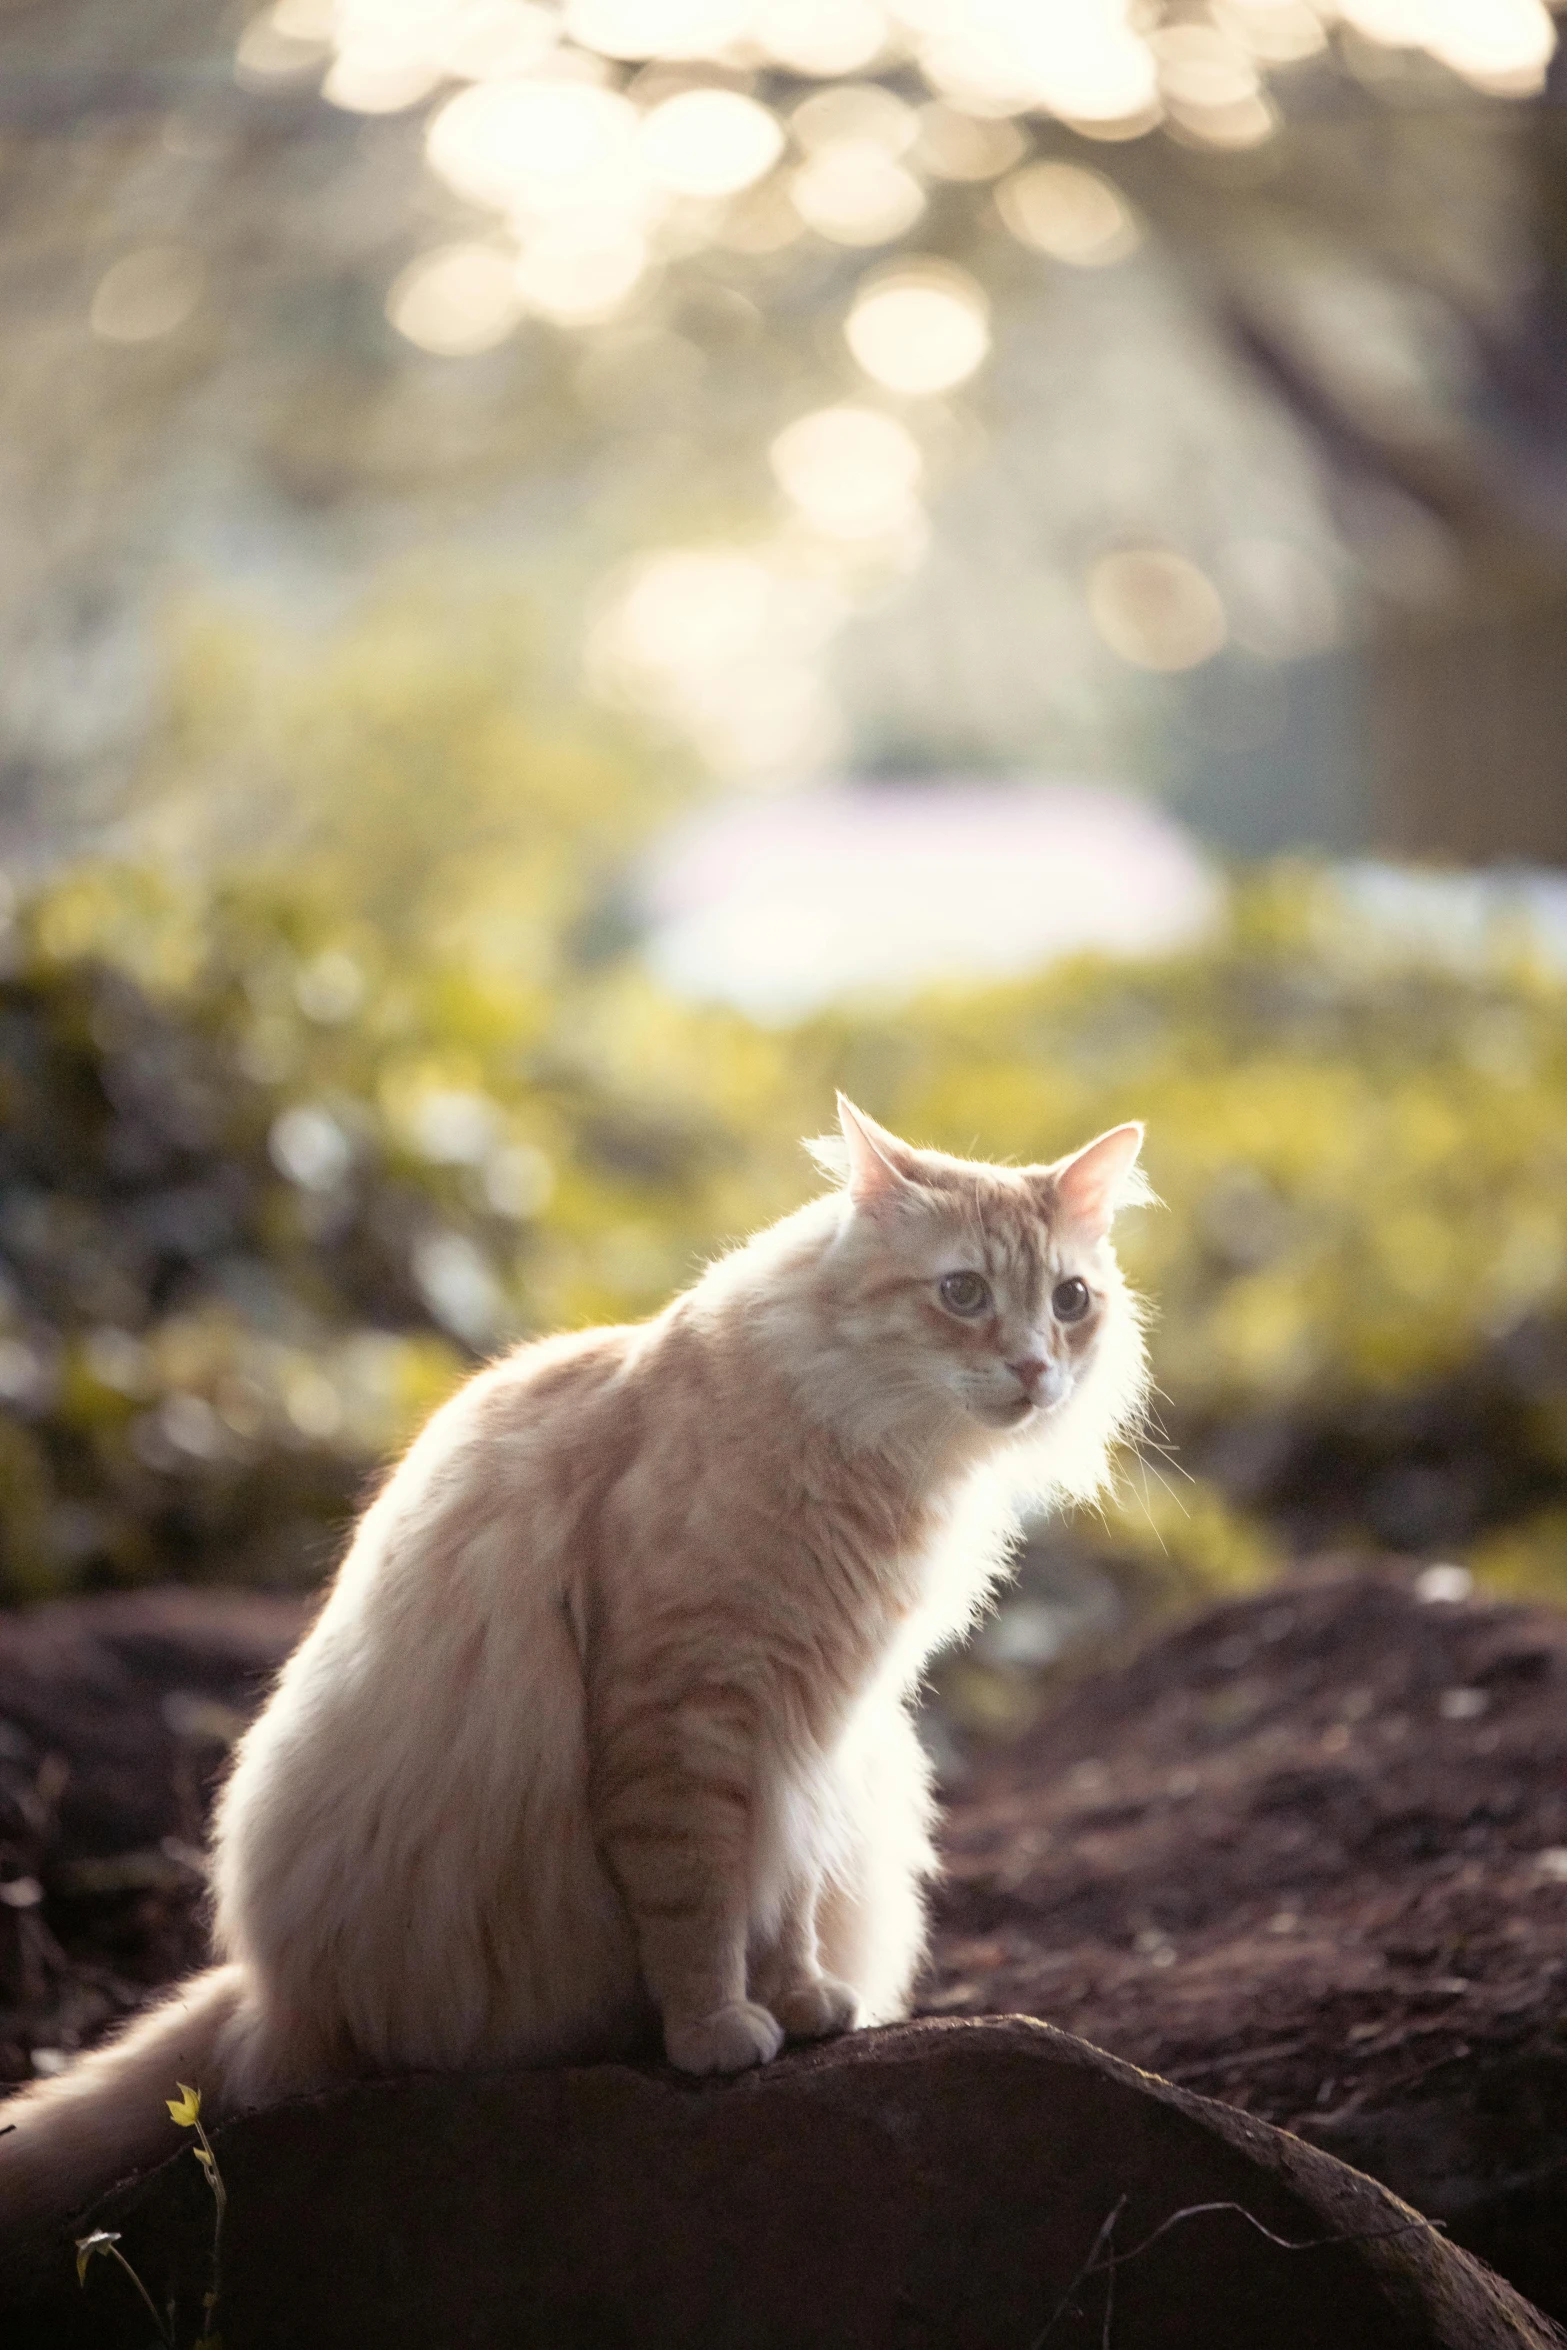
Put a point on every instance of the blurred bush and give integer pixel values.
(299, 1119)
(353, 1075)
(1359, 1278)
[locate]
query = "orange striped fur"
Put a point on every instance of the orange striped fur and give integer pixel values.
(604, 1723)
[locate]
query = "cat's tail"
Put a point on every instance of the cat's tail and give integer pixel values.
(64, 2141)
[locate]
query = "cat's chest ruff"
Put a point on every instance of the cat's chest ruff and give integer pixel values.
(944, 1578)
(881, 1550)
(917, 1592)
(895, 1568)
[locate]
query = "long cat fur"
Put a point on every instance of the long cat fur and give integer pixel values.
(604, 1724)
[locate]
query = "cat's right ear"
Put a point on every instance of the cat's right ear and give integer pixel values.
(1104, 1175)
(873, 1164)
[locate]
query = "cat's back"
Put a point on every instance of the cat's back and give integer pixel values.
(447, 1608)
(422, 1758)
(510, 1460)
(558, 1407)
(701, 1390)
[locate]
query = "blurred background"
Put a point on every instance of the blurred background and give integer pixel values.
(577, 576)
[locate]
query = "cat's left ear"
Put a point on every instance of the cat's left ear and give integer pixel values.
(1088, 1187)
(879, 1165)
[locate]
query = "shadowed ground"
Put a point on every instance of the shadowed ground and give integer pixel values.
(1306, 1853)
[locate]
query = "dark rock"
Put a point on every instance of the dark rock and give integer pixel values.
(953, 2185)
(1484, 2142)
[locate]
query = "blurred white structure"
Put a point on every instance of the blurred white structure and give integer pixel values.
(784, 904)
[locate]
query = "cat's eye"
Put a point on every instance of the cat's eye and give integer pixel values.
(964, 1293)
(1070, 1300)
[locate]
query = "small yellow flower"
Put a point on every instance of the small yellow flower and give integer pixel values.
(185, 2107)
(99, 2241)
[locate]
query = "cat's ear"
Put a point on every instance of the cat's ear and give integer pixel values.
(1104, 1175)
(876, 1166)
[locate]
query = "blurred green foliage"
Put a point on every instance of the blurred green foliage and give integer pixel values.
(298, 1112)
(352, 1076)
(1362, 1152)
(1359, 1277)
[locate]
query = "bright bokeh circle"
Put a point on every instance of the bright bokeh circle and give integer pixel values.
(920, 328)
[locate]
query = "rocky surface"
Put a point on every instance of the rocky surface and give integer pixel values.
(116, 1716)
(970, 2186)
(1306, 1854)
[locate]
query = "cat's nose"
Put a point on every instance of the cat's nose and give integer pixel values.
(1036, 1376)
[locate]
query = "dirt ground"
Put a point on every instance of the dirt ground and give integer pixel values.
(116, 1718)
(1295, 1848)
(1306, 1853)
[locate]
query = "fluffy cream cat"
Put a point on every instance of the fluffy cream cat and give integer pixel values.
(604, 1723)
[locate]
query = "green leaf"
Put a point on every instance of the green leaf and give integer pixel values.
(184, 2108)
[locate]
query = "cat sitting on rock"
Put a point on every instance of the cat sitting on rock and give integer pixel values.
(604, 1725)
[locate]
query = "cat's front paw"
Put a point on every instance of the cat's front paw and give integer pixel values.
(727, 2041)
(817, 2008)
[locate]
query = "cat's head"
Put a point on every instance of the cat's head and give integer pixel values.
(992, 1290)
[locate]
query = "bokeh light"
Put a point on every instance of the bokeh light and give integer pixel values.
(1079, 59)
(452, 1126)
(855, 110)
(723, 642)
(1156, 609)
(1212, 87)
(536, 146)
(146, 294)
(709, 142)
(1500, 45)
(1069, 212)
(919, 328)
(1247, 122)
(457, 299)
(481, 40)
(967, 58)
(657, 28)
(269, 52)
(1503, 46)
(683, 608)
(852, 472)
(1089, 66)
(316, 21)
(1200, 67)
(308, 1145)
(820, 36)
(760, 220)
(580, 267)
(392, 53)
(955, 146)
(854, 192)
(1277, 32)
(373, 81)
